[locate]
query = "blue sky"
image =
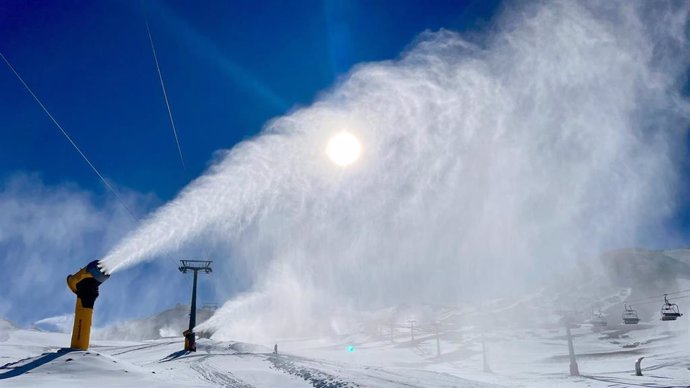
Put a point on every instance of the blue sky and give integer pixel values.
(229, 66)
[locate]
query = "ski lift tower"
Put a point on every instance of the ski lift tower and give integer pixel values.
(196, 266)
(569, 320)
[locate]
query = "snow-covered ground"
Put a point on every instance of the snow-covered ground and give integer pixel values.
(517, 358)
(525, 343)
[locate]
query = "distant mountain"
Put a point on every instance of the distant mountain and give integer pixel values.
(647, 270)
(169, 323)
(682, 255)
(6, 325)
(58, 324)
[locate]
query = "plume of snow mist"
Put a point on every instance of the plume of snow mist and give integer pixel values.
(485, 167)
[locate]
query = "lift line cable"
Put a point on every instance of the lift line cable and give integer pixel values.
(635, 301)
(165, 94)
(67, 136)
(677, 292)
(649, 299)
(656, 301)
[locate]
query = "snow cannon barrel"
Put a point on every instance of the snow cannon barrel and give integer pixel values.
(85, 284)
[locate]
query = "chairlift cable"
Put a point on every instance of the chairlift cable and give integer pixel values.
(655, 301)
(635, 301)
(165, 94)
(680, 297)
(67, 136)
(678, 292)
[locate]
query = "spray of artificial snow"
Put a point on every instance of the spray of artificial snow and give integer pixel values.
(484, 166)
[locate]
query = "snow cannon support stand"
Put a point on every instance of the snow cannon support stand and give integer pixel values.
(85, 284)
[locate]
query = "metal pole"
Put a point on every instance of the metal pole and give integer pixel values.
(438, 342)
(485, 362)
(574, 370)
(192, 314)
(195, 266)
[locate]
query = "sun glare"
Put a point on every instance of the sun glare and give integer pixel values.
(343, 149)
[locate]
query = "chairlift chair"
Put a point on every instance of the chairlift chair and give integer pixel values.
(598, 319)
(630, 316)
(669, 311)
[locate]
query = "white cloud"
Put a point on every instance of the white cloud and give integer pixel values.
(48, 232)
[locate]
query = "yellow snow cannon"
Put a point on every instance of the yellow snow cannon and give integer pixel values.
(85, 284)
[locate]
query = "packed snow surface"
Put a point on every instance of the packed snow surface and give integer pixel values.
(517, 358)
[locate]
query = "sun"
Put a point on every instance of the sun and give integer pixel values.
(343, 149)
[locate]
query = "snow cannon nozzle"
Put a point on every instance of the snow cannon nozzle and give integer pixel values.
(85, 283)
(91, 271)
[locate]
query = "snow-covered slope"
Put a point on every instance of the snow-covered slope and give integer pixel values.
(682, 255)
(523, 338)
(517, 358)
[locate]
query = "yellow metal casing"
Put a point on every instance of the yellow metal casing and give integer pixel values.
(72, 280)
(81, 332)
(85, 284)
